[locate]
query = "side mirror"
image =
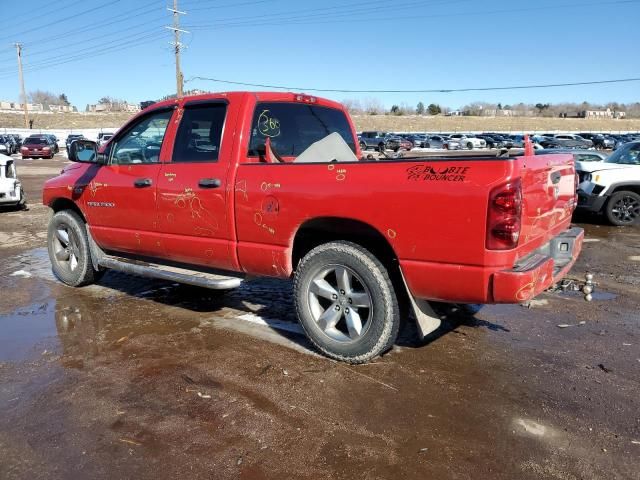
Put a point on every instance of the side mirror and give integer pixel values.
(84, 151)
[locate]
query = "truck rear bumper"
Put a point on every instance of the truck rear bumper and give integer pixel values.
(475, 284)
(540, 270)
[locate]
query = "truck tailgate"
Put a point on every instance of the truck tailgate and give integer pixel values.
(548, 197)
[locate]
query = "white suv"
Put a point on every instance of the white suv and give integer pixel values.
(612, 187)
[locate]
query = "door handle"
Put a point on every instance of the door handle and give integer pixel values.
(142, 182)
(209, 183)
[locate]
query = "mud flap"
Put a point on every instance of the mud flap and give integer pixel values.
(427, 319)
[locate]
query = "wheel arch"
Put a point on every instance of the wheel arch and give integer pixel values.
(628, 186)
(61, 203)
(317, 231)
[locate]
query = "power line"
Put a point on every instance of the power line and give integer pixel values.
(134, 14)
(361, 17)
(54, 21)
(229, 5)
(83, 57)
(435, 90)
(133, 37)
(347, 9)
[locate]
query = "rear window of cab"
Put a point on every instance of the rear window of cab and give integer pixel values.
(293, 127)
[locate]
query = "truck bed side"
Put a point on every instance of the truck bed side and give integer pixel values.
(433, 214)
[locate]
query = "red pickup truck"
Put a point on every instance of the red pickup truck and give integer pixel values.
(214, 189)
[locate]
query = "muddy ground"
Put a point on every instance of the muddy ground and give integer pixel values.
(140, 379)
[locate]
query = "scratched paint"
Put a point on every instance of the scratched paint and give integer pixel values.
(266, 186)
(257, 218)
(95, 186)
(241, 187)
(206, 223)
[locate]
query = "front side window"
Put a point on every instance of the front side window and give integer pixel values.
(141, 143)
(200, 133)
(293, 127)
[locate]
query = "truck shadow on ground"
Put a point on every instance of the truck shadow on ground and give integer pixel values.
(269, 302)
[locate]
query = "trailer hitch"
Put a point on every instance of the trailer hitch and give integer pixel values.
(585, 286)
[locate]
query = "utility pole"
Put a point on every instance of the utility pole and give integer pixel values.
(22, 92)
(177, 45)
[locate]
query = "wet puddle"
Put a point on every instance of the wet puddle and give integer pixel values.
(26, 332)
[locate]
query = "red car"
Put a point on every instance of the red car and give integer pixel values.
(37, 147)
(212, 189)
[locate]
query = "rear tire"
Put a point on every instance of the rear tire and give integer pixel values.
(69, 251)
(363, 146)
(346, 302)
(623, 208)
(469, 146)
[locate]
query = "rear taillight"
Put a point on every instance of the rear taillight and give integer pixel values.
(504, 216)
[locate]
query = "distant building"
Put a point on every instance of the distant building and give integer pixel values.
(61, 108)
(594, 114)
(498, 112)
(32, 107)
(455, 113)
(113, 107)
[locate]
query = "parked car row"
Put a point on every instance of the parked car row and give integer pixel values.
(466, 141)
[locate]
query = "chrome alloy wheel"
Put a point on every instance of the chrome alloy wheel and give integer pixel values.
(65, 248)
(340, 303)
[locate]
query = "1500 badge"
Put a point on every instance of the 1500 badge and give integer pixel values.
(443, 174)
(101, 204)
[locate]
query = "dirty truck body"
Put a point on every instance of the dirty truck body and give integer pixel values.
(212, 189)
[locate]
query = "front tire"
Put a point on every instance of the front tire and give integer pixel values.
(69, 251)
(346, 302)
(469, 146)
(623, 208)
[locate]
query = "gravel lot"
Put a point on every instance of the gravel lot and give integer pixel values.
(141, 379)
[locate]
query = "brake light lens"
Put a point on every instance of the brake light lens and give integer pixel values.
(504, 216)
(305, 99)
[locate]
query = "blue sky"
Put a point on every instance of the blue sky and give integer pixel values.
(92, 48)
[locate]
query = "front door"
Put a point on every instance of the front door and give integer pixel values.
(120, 197)
(193, 214)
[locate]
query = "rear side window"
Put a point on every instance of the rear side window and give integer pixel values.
(200, 133)
(293, 127)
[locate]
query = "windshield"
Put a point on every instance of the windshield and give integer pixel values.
(626, 155)
(35, 141)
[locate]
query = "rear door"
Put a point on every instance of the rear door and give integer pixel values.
(193, 188)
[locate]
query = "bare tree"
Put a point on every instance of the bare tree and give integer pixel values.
(372, 106)
(43, 97)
